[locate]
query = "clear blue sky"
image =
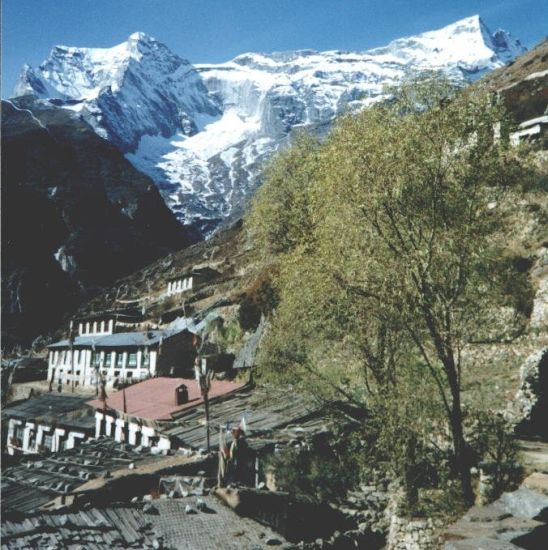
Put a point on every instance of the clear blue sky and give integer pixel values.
(217, 30)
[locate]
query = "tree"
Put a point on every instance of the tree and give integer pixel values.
(392, 265)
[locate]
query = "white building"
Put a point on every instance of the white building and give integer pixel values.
(178, 285)
(191, 280)
(47, 423)
(94, 358)
(143, 413)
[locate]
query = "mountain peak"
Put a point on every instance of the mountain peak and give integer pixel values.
(141, 37)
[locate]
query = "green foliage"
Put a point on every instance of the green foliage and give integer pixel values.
(279, 218)
(259, 299)
(324, 472)
(229, 334)
(385, 243)
(516, 284)
(494, 444)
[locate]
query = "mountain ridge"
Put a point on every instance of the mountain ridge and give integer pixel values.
(202, 131)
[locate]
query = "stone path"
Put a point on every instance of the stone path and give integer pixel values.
(516, 520)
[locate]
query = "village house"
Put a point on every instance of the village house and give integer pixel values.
(530, 130)
(136, 415)
(93, 359)
(191, 280)
(47, 423)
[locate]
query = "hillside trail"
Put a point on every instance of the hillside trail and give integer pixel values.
(518, 519)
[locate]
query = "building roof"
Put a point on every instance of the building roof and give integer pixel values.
(196, 272)
(47, 404)
(266, 412)
(33, 483)
(123, 339)
(161, 523)
(154, 399)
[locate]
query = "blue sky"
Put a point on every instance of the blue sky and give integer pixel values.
(217, 30)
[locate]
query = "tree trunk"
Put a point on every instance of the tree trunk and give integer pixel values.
(462, 467)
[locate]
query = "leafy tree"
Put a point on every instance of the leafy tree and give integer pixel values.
(386, 242)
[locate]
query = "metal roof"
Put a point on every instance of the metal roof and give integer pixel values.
(123, 339)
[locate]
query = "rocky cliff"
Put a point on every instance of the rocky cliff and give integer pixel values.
(76, 217)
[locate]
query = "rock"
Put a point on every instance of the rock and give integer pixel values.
(189, 509)
(532, 397)
(201, 505)
(273, 541)
(149, 508)
(147, 498)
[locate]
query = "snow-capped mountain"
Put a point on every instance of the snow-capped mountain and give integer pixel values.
(202, 132)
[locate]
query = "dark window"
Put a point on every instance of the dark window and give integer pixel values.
(116, 373)
(19, 431)
(48, 440)
(129, 375)
(132, 360)
(120, 360)
(96, 359)
(108, 359)
(146, 360)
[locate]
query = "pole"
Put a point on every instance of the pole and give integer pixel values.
(71, 348)
(206, 403)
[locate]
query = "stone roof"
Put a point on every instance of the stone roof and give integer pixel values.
(161, 523)
(33, 483)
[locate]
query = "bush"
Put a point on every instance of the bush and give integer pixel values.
(259, 299)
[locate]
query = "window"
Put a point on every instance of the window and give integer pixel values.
(48, 441)
(108, 359)
(146, 360)
(132, 360)
(119, 360)
(96, 359)
(19, 431)
(129, 374)
(116, 373)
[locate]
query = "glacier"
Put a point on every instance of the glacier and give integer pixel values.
(202, 132)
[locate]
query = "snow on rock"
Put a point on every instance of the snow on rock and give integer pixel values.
(202, 132)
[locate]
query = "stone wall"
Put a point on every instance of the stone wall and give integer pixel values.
(413, 534)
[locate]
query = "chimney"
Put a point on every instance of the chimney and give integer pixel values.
(181, 395)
